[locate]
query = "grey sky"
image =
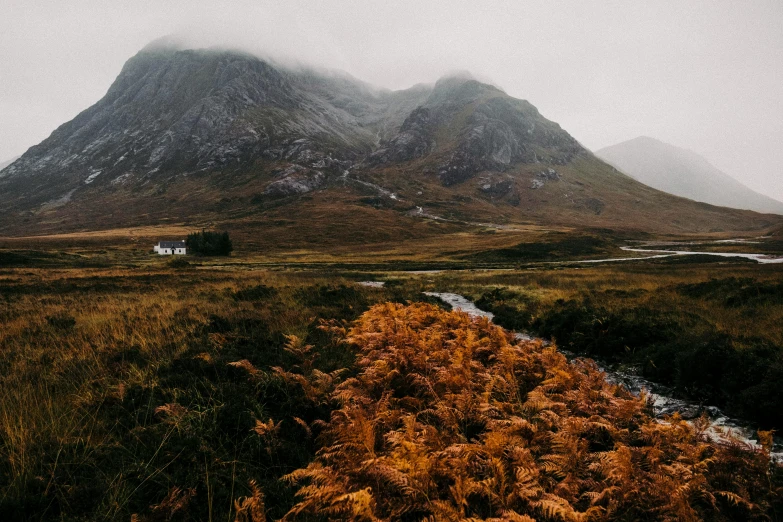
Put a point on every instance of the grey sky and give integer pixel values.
(704, 75)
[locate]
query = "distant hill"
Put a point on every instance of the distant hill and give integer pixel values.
(224, 138)
(684, 173)
(4, 164)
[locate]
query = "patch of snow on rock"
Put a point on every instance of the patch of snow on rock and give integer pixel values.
(58, 202)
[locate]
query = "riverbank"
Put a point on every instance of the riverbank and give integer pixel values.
(661, 398)
(708, 331)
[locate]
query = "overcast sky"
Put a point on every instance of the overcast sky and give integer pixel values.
(704, 75)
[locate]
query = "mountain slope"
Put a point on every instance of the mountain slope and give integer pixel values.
(4, 164)
(214, 137)
(684, 173)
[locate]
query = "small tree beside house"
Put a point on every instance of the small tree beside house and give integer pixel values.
(206, 243)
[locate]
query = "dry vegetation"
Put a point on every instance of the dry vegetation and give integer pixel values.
(131, 389)
(448, 419)
(709, 329)
(652, 284)
(95, 361)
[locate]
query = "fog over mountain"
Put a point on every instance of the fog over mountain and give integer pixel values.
(702, 74)
(683, 173)
(212, 135)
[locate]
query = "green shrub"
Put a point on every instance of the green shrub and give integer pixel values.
(502, 303)
(558, 246)
(734, 292)
(739, 374)
(343, 302)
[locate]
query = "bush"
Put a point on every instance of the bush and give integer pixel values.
(178, 262)
(61, 321)
(739, 374)
(558, 246)
(255, 293)
(501, 303)
(447, 420)
(206, 243)
(735, 292)
(588, 328)
(343, 302)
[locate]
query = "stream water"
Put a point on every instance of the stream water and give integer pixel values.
(659, 253)
(761, 258)
(661, 397)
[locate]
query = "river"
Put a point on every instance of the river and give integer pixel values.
(661, 252)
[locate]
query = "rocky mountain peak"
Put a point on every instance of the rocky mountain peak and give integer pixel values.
(185, 130)
(460, 89)
(175, 110)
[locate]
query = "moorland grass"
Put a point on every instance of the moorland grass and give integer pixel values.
(710, 330)
(141, 387)
(117, 386)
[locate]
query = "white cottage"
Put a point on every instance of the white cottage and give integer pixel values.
(167, 248)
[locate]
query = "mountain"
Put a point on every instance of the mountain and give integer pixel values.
(684, 173)
(222, 138)
(4, 164)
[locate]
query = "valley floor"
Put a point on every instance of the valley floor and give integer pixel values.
(130, 384)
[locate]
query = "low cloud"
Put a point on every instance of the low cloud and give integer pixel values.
(702, 75)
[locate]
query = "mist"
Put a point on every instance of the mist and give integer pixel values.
(703, 75)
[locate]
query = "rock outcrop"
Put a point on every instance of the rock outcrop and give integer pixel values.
(295, 180)
(415, 139)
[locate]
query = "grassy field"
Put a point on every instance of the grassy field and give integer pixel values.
(91, 357)
(130, 384)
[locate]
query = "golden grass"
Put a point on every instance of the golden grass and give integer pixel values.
(53, 376)
(130, 233)
(56, 376)
(657, 281)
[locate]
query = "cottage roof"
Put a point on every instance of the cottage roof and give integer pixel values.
(171, 244)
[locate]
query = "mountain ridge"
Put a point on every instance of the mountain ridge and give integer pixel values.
(685, 173)
(215, 136)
